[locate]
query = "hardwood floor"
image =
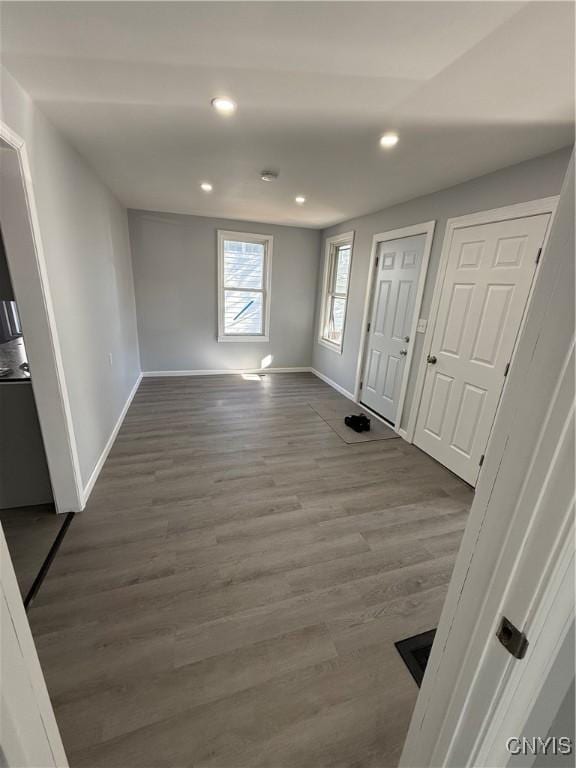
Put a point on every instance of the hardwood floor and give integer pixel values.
(233, 591)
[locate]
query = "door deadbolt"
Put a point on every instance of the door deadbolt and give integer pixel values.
(432, 359)
(406, 339)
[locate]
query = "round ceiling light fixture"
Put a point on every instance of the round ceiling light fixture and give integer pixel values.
(300, 199)
(389, 140)
(224, 105)
(206, 186)
(268, 175)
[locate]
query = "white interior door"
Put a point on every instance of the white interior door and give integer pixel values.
(393, 299)
(486, 286)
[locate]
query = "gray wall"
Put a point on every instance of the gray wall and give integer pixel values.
(85, 237)
(530, 180)
(175, 274)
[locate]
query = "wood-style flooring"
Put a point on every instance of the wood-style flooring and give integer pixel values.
(232, 594)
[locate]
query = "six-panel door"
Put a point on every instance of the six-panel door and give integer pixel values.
(388, 342)
(486, 286)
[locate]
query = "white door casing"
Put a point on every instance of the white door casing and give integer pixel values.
(507, 513)
(395, 286)
(489, 274)
(29, 735)
(25, 255)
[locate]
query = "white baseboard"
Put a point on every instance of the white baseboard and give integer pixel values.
(104, 455)
(333, 384)
(206, 372)
(403, 434)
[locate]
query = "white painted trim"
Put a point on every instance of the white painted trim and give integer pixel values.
(520, 210)
(427, 229)
(30, 735)
(332, 347)
(247, 237)
(223, 371)
(342, 239)
(503, 540)
(549, 627)
(333, 384)
(30, 278)
(110, 442)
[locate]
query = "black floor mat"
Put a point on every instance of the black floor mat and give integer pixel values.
(415, 652)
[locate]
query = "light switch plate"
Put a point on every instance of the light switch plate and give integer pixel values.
(421, 327)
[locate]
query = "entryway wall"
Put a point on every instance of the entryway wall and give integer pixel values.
(530, 180)
(84, 235)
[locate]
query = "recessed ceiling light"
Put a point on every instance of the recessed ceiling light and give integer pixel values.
(300, 199)
(206, 186)
(224, 105)
(389, 140)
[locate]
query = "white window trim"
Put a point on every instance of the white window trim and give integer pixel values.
(331, 242)
(246, 237)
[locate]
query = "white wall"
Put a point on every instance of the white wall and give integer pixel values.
(175, 274)
(85, 237)
(530, 180)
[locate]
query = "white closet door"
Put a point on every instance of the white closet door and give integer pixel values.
(486, 286)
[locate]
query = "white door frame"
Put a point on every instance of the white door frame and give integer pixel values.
(466, 704)
(27, 264)
(426, 228)
(518, 211)
(30, 735)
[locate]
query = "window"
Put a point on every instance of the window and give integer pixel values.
(244, 263)
(335, 290)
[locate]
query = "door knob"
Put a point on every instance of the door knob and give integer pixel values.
(431, 359)
(403, 352)
(406, 339)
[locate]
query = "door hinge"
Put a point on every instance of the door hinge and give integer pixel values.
(481, 460)
(539, 254)
(512, 639)
(377, 260)
(361, 384)
(368, 328)
(506, 369)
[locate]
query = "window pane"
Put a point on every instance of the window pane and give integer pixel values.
(242, 312)
(343, 254)
(243, 264)
(336, 320)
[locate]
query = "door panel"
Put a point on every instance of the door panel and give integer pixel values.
(486, 287)
(393, 299)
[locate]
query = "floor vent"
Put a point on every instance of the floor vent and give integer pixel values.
(415, 652)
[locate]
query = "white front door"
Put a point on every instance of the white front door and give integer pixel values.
(393, 298)
(486, 286)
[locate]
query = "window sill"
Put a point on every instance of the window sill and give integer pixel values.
(337, 348)
(264, 339)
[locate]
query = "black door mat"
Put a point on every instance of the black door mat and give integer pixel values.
(35, 588)
(415, 652)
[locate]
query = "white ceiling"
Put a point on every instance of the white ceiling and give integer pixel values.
(469, 86)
